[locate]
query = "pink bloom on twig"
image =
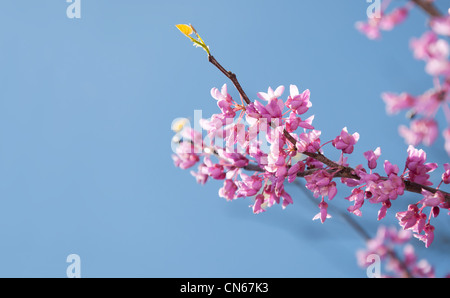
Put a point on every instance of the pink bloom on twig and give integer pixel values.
(372, 157)
(323, 214)
(345, 141)
(299, 103)
(446, 175)
(228, 191)
(441, 25)
(428, 235)
(420, 131)
(397, 102)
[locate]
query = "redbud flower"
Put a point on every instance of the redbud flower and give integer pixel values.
(372, 157)
(309, 142)
(357, 197)
(441, 25)
(323, 214)
(257, 206)
(249, 186)
(321, 184)
(428, 237)
(446, 135)
(200, 176)
(299, 103)
(224, 101)
(421, 131)
(408, 219)
(415, 162)
(395, 17)
(292, 172)
(397, 102)
(345, 141)
(270, 95)
(432, 199)
(446, 175)
(228, 191)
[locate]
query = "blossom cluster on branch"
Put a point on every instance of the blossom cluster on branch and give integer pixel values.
(255, 148)
(384, 248)
(432, 48)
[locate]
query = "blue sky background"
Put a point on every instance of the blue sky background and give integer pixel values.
(85, 112)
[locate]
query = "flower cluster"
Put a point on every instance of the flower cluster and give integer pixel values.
(382, 21)
(271, 144)
(432, 48)
(385, 245)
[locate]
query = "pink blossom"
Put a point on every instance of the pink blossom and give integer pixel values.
(370, 29)
(397, 102)
(385, 205)
(309, 142)
(372, 157)
(432, 199)
(428, 103)
(249, 186)
(345, 141)
(323, 214)
(386, 22)
(287, 199)
(397, 16)
(214, 126)
(299, 103)
(257, 206)
(428, 235)
(415, 162)
(228, 191)
(389, 168)
(224, 100)
(200, 177)
(421, 131)
(446, 175)
(389, 240)
(294, 122)
(185, 156)
(438, 67)
(410, 218)
(434, 51)
(271, 95)
(236, 159)
(213, 170)
(441, 25)
(273, 109)
(321, 184)
(357, 197)
(429, 46)
(446, 134)
(292, 172)
(185, 161)
(384, 190)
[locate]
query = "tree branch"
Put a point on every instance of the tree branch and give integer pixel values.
(231, 76)
(409, 186)
(342, 171)
(428, 7)
(358, 228)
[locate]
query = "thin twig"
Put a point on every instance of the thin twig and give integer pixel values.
(409, 186)
(231, 76)
(428, 7)
(357, 227)
(342, 171)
